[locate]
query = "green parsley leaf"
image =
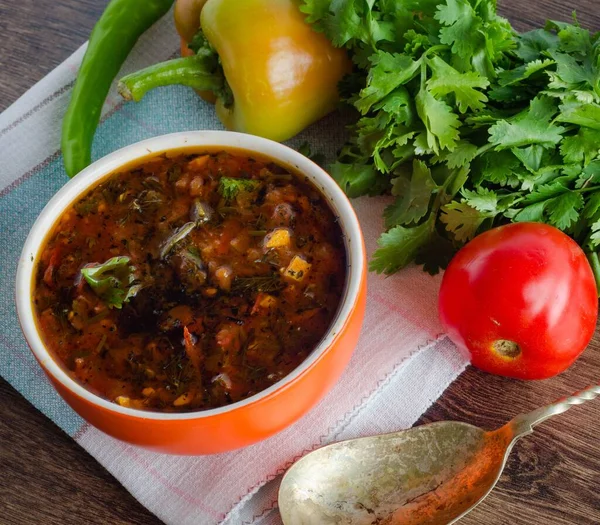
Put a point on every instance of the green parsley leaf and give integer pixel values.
(487, 117)
(521, 73)
(462, 220)
(112, 281)
(421, 146)
(547, 191)
(573, 38)
(593, 240)
(400, 245)
(461, 155)
(586, 115)
(398, 106)
(230, 187)
(564, 209)
(316, 11)
(436, 254)
(532, 44)
(496, 167)
(531, 126)
(447, 80)
(512, 94)
(453, 182)
(570, 72)
(388, 71)
(413, 202)
(343, 22)
(375, 134)
(531, 156)
(581, 148)
(531, 213)
(590, 176)
(357, 179)
(352, 21)
(592, 206)
(416, 43)
(441, 123)
(483, 199)
(462, 27)
(499, 38)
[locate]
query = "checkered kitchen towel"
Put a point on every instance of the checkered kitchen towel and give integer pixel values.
(400, 367)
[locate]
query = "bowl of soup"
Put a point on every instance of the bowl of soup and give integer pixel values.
(196, 292)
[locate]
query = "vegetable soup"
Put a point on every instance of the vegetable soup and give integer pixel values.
(190, 280)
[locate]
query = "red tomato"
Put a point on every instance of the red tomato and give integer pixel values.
(521, 299)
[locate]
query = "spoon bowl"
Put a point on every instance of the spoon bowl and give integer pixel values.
(432, 474)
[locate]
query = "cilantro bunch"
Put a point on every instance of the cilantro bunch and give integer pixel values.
(467, 123)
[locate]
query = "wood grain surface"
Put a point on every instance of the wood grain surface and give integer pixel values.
(552, 477)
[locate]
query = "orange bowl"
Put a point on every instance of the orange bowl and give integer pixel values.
(242, 423)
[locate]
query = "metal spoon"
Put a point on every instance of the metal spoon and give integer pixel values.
(431, 474)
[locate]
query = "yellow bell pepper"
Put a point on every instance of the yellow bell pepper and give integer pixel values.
(274, 77)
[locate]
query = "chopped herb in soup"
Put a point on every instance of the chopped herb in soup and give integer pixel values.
(190, 282)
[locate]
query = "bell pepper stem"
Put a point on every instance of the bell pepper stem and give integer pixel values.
(190, 71)
(594, 261)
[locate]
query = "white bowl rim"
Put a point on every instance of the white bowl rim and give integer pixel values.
(146, 149)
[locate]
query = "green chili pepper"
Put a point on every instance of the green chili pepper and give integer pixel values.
(112, 38)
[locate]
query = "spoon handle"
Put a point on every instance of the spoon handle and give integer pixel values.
(524, 423)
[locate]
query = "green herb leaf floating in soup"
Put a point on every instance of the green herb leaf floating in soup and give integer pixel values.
(113, 281)
(229, 187)
(221, 274)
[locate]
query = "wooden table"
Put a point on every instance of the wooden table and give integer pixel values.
(552, 477)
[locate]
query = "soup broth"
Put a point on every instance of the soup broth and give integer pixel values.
(190, 281)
